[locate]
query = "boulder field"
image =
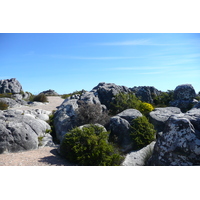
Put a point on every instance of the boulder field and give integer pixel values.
(178, 131)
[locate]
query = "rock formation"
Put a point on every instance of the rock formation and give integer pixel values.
(10, 86)
(49, 93)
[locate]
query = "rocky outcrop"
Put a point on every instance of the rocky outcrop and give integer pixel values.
(184, 97)
(20, 131)
(106, 92)
(50, 92)
(159, 116)
(146, 93)
(10, 86)
(120, 128)
(140, 157)
(180, 142)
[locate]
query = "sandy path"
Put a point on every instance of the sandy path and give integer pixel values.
(46, 156)
(54, 101)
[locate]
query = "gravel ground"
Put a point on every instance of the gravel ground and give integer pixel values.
(46, 156)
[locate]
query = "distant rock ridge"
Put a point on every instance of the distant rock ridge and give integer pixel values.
(49, 93)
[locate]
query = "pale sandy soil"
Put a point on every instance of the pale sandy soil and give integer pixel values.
(47, 156)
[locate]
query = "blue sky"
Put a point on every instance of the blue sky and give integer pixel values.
(66, 62)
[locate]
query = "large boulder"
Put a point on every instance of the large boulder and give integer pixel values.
(50, 92)
(65, 117)
(184, 97)
(10, 102)
(146, 93)
(178, 145)
(20, 132)
(120, 128)
(107, 91)
(159, 116)
(10, 86)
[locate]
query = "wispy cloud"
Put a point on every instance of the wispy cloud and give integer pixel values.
(94, 58)
(137, 42)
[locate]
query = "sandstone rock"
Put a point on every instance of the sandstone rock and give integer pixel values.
(120, 128)
(178, 145)
(159, 116)
(50, 93)
(65, 117)
(10, 102)
(38, 114)
(10, 86)
(106, 92)
(184, 92)
(19, 132)
(140, 157)
(146, 93)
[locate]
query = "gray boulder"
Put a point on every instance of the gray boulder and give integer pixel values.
(107, 91)
(65, 117)
(120, 128)
(10, 102)
(178, 145)
(50, 93)
(146, 93)
(10, 86)
(159, 116)
(184, 92)
(20, 132)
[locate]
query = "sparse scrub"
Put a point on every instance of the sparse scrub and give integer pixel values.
(89, 147)
(64, 96)
(142, 132)
(91, 114)
(163, 99)
(40, 98)
(3, 106)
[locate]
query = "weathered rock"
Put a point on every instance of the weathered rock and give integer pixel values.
(10, 102)
(146, 93)
(65, 117)
(140, 157)
(20, 132)
(50, 93)
(184, 92)
(159, 116)
(10, 86)
(90, 98)
(184, 105)
(178, 145)
(106, 92)
(38, 114)
(120, 128)
(197, 105)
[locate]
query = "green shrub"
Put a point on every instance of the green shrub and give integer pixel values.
(163, 99)
(125, 101)
(6, 95)
(3, 106)
(142, 132)
(64, 96)
(89, 147)
(91, 114)
(40, 98)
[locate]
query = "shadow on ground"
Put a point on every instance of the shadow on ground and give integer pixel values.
(55, 159)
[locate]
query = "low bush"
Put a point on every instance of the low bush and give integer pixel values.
(89, 147)
(6, 95)
(40, 98)
(142, 132)
(123, 101)
(91, 114)
(3, 106)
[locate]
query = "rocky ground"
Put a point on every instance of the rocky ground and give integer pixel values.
(46, 156)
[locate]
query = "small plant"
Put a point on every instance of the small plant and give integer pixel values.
(40, 140)
(89, 147)
(91, 114)
(3, 106)
(40, 98)
(145, 108)
(142, 132)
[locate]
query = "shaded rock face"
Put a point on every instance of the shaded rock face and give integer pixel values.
(106, 92)
(120, 128)
(49, 93)
(20, 132)
(159, 116)
(184, 92)
(179, 143)
(10, 86)
(145, 93)
(184, 97)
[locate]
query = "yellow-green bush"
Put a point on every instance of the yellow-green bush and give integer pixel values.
(3, 106)
(145, 108)
(89, 147)
(142, 132)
